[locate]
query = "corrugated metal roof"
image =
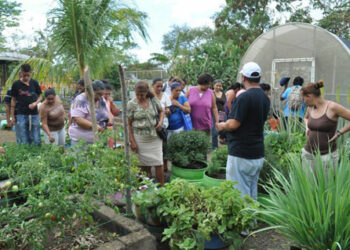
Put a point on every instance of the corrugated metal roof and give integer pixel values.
(12, 56)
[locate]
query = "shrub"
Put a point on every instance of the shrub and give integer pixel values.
(278, 147)
(218, 160)
(311, 209)
(186, 147)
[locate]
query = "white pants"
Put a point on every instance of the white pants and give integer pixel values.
(170, 132)
(59, 136)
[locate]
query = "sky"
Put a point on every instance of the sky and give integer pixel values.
(162, 15)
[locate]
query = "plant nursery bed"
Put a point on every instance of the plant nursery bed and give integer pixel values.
(108, 230)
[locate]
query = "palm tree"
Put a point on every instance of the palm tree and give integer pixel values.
(93, 32)
(88, 31)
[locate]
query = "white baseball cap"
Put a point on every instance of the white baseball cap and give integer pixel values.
(251, 70)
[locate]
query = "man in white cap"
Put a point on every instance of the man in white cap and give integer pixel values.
(245, 132)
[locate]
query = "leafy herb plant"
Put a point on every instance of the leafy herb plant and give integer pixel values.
(218, 160)
(187, 147)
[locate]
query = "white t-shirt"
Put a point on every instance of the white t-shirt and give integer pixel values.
(165, 102)
(167, 89)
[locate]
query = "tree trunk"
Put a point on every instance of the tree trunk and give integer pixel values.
(90, 94)
(126, 138)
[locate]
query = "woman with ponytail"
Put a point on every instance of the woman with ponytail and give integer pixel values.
(142, 122)
(321, 122)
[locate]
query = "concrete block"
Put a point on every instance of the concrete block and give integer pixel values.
(116, 222)
(113, 245)
(141, 240)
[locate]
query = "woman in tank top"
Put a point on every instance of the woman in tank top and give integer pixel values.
(220, 98)
(321, 122)
(53, 117)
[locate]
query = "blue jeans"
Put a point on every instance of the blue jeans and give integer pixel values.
(28, 129)
(246, 173)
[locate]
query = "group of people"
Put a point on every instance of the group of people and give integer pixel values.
(238, 116)
(25, 110)
(164, 108)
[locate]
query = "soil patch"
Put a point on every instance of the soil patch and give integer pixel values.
(220, 175)
(81, 236)
(197, 165)
(7, 136)
(267, 240)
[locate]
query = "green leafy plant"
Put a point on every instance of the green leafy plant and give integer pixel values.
(311, 209)
(227, 213)
(50, 189)
(278, 147)
(192, 214)
(218, 160)
(187, 147)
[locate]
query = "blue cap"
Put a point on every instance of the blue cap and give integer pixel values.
(284, 80)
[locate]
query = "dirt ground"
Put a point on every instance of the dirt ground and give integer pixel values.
(267, 240)
(7, 136)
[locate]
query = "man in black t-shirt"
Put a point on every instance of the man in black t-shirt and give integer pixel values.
(245, 132)
(26, 94)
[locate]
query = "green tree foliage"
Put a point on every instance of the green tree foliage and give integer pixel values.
(243, 21)
(159, 59)
(88, 32)
(215, 57)
(336, 16)
(301, 15)
(219, 51)
(9, 11)
(181, 40)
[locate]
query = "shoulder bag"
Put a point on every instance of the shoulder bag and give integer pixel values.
(187, 121)
(163, 134)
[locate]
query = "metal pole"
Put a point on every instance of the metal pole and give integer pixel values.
(90, 94)
(126, 138)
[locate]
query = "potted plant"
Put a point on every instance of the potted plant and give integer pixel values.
(145, 201)
(187, 152)
(198, 217)
(216, 173)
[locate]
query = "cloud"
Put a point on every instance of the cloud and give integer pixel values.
(194, 12)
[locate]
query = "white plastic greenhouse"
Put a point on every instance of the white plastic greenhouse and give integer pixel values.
(299, 49)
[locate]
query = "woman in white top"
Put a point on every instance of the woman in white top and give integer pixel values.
(165, 102)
